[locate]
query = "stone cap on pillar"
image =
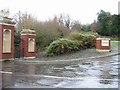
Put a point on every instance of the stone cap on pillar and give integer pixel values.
(103, 39)
(5, 19)
(27, 32)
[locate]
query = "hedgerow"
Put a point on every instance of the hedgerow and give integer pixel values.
(74, 42)
(63, 45)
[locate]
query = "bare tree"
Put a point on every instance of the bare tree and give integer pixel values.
(76, 25)
(94, 26)
(65, 20)
(18, 20)
(24, 20)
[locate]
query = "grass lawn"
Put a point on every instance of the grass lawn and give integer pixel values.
(115, 42)
(112, 38)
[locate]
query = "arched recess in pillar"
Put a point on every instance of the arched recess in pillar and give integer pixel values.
(6, 41)
(31, 45)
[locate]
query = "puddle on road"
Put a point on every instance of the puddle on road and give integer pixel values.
(96, 73)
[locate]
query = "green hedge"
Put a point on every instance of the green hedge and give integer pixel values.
(63, 45)
(89, 41)
(75, 36)
(75, 42)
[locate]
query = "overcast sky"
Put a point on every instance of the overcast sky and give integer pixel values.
(83, 10)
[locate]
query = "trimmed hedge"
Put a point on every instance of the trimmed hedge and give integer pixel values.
(63, 45)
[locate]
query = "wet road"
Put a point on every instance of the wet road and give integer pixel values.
(94, 73)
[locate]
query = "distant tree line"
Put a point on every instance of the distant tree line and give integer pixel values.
(108, 25)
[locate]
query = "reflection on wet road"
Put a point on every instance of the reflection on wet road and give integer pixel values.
(95, 73)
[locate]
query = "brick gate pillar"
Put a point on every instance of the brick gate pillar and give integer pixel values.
(28, 44)
(6, 36)
(103, 44)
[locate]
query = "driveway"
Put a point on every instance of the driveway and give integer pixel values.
(91, 73)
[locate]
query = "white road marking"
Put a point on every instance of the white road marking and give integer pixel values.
(69, 78)
(5, 72)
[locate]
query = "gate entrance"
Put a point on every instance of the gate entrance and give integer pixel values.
(17, 40)
(17, 51)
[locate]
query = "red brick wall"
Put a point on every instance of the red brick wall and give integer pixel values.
(98, 45)
(8, 55)
(24, 46)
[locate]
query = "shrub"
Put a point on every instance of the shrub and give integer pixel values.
(75, 35)
(88, 38)
(63, 45)
(89, 41)
(74, 42)
(47, 33)
(45, 36)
